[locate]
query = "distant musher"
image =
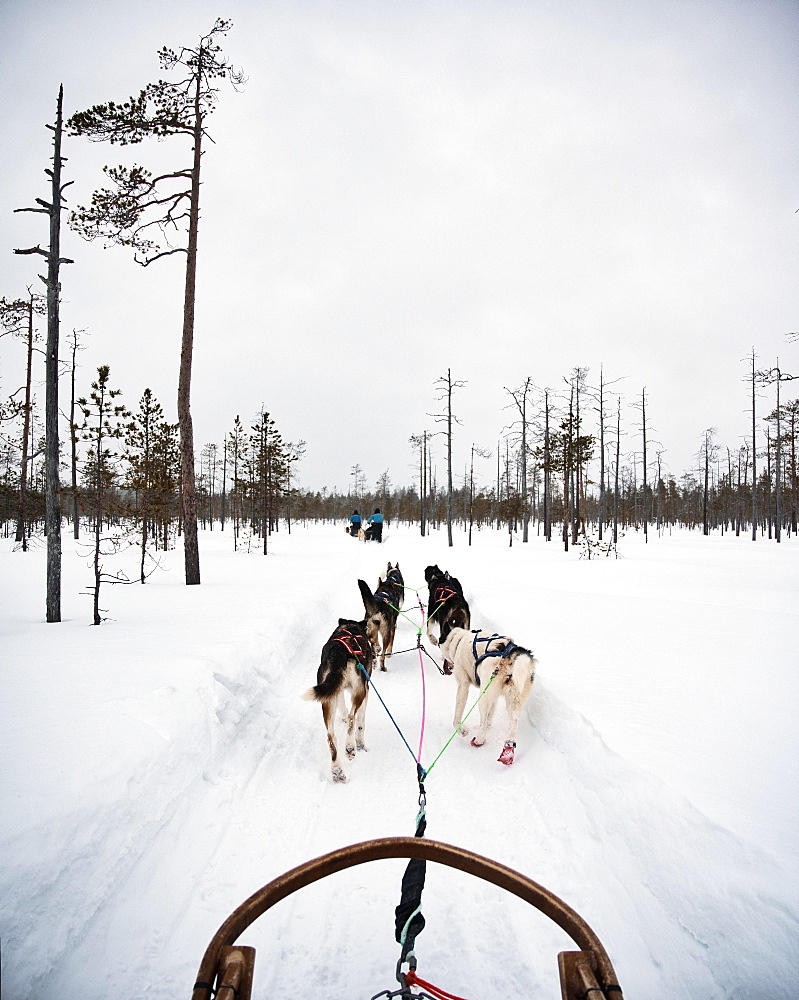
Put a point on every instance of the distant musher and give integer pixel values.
(375, 530)
(355, 523)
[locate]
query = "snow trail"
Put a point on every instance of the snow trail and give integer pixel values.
(163, 767)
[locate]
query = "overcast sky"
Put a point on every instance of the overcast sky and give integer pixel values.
(507, 189)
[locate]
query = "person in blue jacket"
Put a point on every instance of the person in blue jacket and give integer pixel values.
(375, 529)
(355, 523)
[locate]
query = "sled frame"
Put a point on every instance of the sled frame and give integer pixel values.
(587, 971)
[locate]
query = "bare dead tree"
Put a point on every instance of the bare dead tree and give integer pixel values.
(16, 317)
(52, 283)
(481, 453)
(74, 346)
(420, 441)
(520, 397)
(775, 376)
(447, 387)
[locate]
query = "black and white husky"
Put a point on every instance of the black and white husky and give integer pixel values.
(446, 605)
(349, 645)
(479, 657)
(383, 607)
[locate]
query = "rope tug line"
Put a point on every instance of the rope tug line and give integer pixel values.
(408, 918)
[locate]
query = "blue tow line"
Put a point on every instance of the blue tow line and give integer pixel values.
(371, 682)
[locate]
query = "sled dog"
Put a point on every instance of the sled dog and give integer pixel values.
(446, 605)
(383, 606)
(474, 657)
(349, 645)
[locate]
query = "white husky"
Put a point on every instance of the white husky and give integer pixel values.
(478, 657)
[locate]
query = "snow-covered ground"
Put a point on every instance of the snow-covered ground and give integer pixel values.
(158, 769)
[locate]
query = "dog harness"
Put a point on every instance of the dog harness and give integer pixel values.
(509, 646)
(352, 639)
(385, 595)
(441, 595)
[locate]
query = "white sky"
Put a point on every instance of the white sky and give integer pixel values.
(507, 189)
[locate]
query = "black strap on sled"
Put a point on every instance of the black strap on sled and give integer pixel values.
(408, 919)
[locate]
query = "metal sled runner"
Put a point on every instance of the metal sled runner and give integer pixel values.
(226, 969)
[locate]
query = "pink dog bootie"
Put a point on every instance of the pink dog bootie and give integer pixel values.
(506, 757)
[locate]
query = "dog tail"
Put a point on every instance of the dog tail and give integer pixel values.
(369, 603)
(327, 688)
(523, 665)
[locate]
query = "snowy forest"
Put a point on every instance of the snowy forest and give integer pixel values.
(577, 466)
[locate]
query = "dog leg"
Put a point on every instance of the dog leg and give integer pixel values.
(391, 630)
(349, 746)
(515, 701)
(488, 705)
(360, 724)
(329, 716)
(460, 704)
(356, 721)
(383, 644)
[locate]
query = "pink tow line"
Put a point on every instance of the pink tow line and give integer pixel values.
(424, 691)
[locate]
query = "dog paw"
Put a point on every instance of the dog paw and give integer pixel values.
(447, 667)
(463, 731)
(339, 775)
(362, 746)
(350, 752)
(477, 743)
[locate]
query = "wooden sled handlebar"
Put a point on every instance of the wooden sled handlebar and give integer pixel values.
(588, 969)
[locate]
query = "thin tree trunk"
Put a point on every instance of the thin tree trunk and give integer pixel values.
(73, 440)
(22, 534)
(98, 501)
(643, 427)
(705, 528)
(547, 484)
(188, 487)
(616, 476)
(778, 470)
(53, 485)
(754, 455)
(601, 450)
(449, 458)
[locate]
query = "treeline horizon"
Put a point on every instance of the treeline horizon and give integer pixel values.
(559, 474)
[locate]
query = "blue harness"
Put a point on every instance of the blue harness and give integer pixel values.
(509, 646)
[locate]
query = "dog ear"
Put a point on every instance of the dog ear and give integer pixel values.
(369, 603)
